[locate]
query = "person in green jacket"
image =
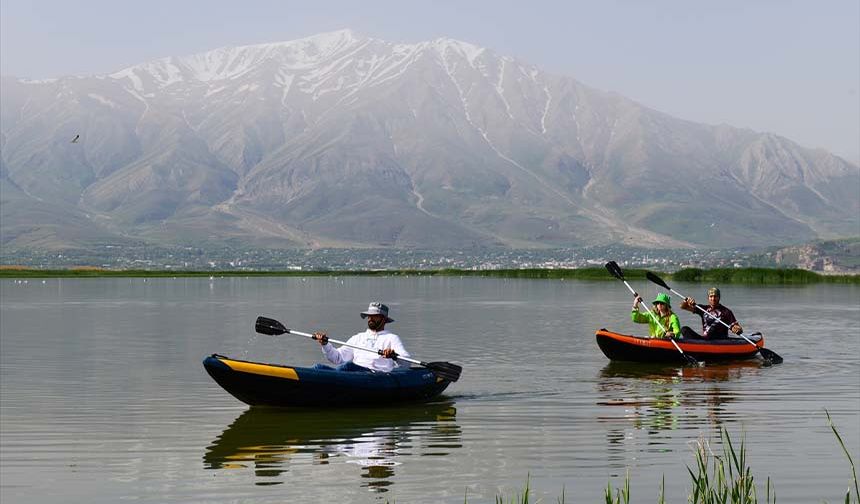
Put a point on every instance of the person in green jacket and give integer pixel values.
(663, 313)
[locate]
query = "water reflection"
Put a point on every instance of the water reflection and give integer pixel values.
(270, 441)
(654, 400)
(709, 373)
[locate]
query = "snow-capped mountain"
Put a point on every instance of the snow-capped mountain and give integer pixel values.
(344, 140)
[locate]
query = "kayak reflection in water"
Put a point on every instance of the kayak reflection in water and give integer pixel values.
(386, 345)
(654, 398)
(273, 444)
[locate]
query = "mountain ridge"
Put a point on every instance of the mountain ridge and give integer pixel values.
(343, 140)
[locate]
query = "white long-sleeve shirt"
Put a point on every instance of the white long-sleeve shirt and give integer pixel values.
(372, 341)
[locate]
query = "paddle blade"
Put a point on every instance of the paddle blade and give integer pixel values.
(657, 280)
(770, 356)
(270, 327)
(615, 270)
(691, 361)
(445, 370)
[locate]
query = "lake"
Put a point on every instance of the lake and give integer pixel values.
(103, 397)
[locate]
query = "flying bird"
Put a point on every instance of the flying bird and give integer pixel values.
(75, 140)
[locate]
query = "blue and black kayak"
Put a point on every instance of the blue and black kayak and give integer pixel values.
(261, 384)
(624, 347)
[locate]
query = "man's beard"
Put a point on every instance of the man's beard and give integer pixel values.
(375, 325)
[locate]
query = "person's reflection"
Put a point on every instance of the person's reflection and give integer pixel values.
(269, 441)
(376, 452)
(648, 397)
(378, 457)
(656, 399)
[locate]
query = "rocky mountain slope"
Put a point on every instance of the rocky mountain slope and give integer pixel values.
(342, 140)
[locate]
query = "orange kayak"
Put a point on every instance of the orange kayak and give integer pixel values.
(623, 347)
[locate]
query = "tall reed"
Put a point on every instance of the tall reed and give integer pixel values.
(850, 461)
(731, 478)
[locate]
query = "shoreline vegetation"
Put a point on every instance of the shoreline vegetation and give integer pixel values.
(750, 276)
(721, 476)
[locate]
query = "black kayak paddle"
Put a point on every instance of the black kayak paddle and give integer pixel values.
(444, 370)
(769, 356)
(615, 270)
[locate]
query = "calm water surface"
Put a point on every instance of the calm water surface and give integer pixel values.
(103, 397)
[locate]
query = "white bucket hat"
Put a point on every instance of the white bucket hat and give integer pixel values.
(376, 308)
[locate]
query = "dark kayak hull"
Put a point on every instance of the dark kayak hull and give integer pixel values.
(261, 384)
(623, 347)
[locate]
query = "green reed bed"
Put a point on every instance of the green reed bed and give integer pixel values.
(8, 272)
(752, 276)
(539, 273)
(131, 273)
(759, 276)
(574, 274)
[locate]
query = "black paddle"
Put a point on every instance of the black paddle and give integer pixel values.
(769, 356)
(444, 370)
(615, 270)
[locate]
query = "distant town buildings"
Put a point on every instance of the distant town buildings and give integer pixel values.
(191, 258)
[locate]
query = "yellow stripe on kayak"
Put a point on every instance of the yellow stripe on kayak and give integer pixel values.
(262, 369)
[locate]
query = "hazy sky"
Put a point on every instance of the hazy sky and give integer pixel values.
(784, 66)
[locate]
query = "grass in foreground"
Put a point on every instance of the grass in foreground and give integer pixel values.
(723, 478)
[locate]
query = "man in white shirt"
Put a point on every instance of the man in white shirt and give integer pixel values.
(375, 338)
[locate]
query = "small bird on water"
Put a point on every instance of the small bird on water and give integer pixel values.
(75, 140)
